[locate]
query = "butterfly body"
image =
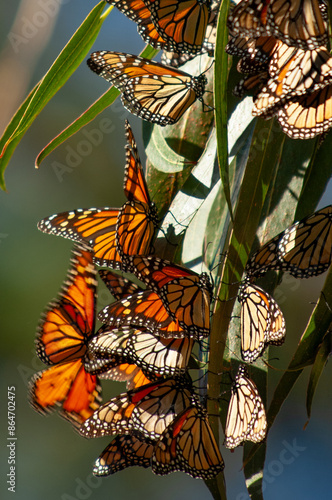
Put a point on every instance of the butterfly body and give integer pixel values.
(246, 418)
(154, 92)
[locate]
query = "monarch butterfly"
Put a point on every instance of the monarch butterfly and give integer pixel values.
(169, 24)
(303, 249)
(124, 451)
(153, 354)
(97, 364)
(301, 24)
(185, 294)
(293, 72)
(156, 93)
(148, 410)
(251, 83)
(62, 340)
(142, 309)
(262, 322)
(97, 227)
(176, 59)
(307, 116)
(137, 218)
(131, 374)
(246, 418)
(255, 53)
(119, 286)
(188, 445)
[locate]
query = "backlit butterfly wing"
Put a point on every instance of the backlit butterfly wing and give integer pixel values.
(185, 294)
(149, 352)
(119, 286)
(138, 12)
(124, 451)
(106, 350)
(246, 418)
(130, 373)
(293, 72)
(262, 322)
(303, 249)
(92, 226)
(137, 218)
(308, 115)
(148, 410)
(154, 92)
(176, 59)
(158, 355)
(69, 386)
(61, 341)
(301, 24)
(143, 309)
(248, 18)
(188, 445)
(181, 24)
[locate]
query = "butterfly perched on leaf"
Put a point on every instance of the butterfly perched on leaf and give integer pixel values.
(304, 249)
(132, 227)
(262, 322)
(172, 25)
(153, 354)
(188, 445)
(301, 24)
(61, 342)
(185, 295)
(148, 409)
(246, 418)
(156, 93)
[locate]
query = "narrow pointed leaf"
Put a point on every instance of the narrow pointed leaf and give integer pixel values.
(62, 68)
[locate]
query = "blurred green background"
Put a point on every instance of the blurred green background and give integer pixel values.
(52, 461)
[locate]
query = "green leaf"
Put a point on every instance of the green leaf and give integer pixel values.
(319, 323)
(90, 114)
(220, 98)
(322, 356)
(62, 68)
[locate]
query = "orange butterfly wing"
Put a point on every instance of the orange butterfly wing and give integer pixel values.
(61, 341)
(93, 226)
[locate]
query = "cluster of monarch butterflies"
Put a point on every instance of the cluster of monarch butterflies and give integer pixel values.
(149, 332)
(159, 92)
(283, 46)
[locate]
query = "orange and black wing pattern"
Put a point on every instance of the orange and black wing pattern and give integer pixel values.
(262, 322)
(142, 309)
(246, 417)
(185, 294)
(156, 93)
(301, 24)
(148, 410)
(188, 445)
(119, 286)
(62, 342)
(137, 11)
(303, 249)
(94, 227)
(181, 24)
(137, 220)
(124, 451)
